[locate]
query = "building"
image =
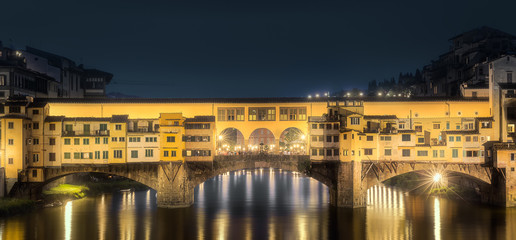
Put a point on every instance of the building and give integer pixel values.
(36, 73)
(466, 61)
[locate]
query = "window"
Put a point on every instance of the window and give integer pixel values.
(486, 125)
(35, 141)
(76, 155)
(10, 125)
(10, 161)
(457, 139)
(230, 114)
(369, 138)
(165, 154)
(455, 153)
(105, 141)
(335, 138)
(76, 141)
(336, 126)
(405, 152)
(114, 139)
(117, 153)
(314, 126)
(387, 152)
(368, 151)
(86, 141)
(134, 153)
(35, 125)
(172, 153)
(450, 139)
(121, 139)
(321, 152)
(328, 126)
(105, 154)
(97, 140)
(401, 126)
(103, 127)
(118, 127)
(437, 126)
(67, 155)
(151, 139)
(197, 126)
(11, 141)
(405, 137)
(422, 153)
(35, 157)
(68, 127)
(457, 126)
(149, 152)
(51, 157)
(419, 128)
(509, 77)
(52, 141)
(321, 126)
(345, 152)
(434, 153)
(314, 152)
(475, 138)
(329, 152)
(421, 140)
(471, 153)
(171, 139)
(447, 125)
(355, 121)
(345, 136)
(262, 114)
(14, 109)
(328, 138)
(336, 152)
(314, 138)
(441, 153)
(513, 155)
(52, 127)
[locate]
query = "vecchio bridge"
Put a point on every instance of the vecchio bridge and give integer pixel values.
(348, 144)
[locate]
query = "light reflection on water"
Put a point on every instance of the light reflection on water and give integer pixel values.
(263, 204)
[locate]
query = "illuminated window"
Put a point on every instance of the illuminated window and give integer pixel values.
(355, 121)
(97, 154)
(388, 152)
(369, 138)
(405, 152)
(10, 125)
(405, 137)
(171, 139)
(117, 153)
(368, 151)
(422, 153)
(165, 153)
(455, 153)
(134, 153)
(118, 127)
(67, 155)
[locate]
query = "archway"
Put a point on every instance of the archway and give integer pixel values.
(292, 141)
(230, 141)
(262, 140)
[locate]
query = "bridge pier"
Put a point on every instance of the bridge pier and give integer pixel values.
(173, 187)
(349, 190)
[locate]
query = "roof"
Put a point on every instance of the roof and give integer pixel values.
(201, 119)
(406, 131)
(15, 116)
(54, 118)
(37, 104)
(119, 118)
(255, 100)
(86, 119)
(461, 132)
(501, 146)
(507, 85)
(491, 119)
(380, 117)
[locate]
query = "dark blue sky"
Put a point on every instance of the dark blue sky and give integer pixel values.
(240, 48)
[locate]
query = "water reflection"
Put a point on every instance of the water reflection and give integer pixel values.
(263, 204)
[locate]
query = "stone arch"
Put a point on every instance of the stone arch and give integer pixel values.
(293, 141)
(379, 172)
(230, 139)
(262, 140)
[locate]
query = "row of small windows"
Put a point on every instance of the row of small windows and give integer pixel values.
(328, 138)
(91, 155)
(404, 153)
(327, 126)
(196, 138)
(262, 114)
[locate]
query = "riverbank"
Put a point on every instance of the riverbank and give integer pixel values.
(12, 206)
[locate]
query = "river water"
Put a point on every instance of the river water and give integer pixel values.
(263, 204)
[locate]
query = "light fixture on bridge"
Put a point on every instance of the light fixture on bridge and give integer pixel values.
(309, 96)
(437, 177)
(380, 94)
(317, 95)
(361, 94)
(303, 137)
(221, 137)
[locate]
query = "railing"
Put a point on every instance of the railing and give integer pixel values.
(143, 130)
(85, 133)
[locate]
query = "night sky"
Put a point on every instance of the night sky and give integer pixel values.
(241, 48)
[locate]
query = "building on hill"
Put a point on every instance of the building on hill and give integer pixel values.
(36, 73)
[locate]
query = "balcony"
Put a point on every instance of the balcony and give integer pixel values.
(371, 130)
(389, 130)
(143, 130)
(85, 133)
